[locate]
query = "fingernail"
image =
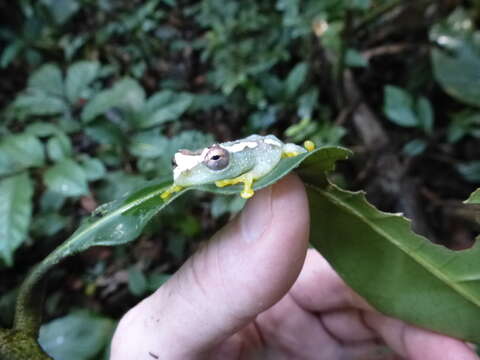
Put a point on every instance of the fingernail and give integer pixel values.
(257, 215)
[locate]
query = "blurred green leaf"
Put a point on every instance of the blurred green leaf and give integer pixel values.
(94, 168)
(470, 171)
(61, 10)
(296, 78)
(425, 115)
(156, 280)
(79, 76)
(149, 144)
(67, 178)
(48, 224)
(165, 106)
(415, 147)
(47, 79)
(42, 129)
(463, 124)
(398, 107)
(15, 213)
(353, 58)
(59, 147)
(127, 94)
(456, 63)
(137, 281)
(35, 102)
(81, 335)
(21, 151)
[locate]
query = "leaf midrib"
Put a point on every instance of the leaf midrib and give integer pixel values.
(421, 260)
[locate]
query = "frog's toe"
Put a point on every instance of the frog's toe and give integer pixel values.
(247, 193)
(309, 145)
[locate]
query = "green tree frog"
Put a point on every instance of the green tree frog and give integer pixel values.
(230, 163)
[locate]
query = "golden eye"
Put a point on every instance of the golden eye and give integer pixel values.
(217, 158)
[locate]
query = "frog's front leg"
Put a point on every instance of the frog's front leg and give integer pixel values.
(170, 191)
(246, 179)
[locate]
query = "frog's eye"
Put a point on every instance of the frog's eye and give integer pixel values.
(217, 158)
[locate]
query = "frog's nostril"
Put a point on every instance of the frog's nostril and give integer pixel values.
(174, 163)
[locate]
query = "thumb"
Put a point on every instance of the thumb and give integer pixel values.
(247, 267)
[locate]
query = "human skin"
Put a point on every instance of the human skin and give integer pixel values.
(254, 291)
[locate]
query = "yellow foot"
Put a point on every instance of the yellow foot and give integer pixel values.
(247, 181)
(171, 190)
(309, 145)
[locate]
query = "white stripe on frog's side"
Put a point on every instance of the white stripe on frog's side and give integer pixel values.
(240, 146)
(273, 142)
(187, 162)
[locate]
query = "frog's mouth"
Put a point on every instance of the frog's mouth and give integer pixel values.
(185, 160)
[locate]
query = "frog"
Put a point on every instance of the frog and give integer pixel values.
(229, 163)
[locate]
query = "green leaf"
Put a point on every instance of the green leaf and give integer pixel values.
(35, 102)
(62, 10)
(137, 282)
(425, 115)
(398, 107)
(127, 94)
(398, 272)
(354, 58)
(470, 171)
(42, 129)
(149, 144)
(67, 178)
(81, 335)
(79, 76)
(47, 79)
(15, 212)
(296, 78)
(165, 106)
(59, 147)
(21, 151)
(94, 168)
(48, 224)
(122, 220)
(474, 198)
(456, 60)
(415, 147)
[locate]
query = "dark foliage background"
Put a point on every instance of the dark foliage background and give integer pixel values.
(96, 96)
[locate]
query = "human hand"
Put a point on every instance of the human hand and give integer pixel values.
(255, 292)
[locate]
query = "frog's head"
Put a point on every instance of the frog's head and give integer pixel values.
(208, 165)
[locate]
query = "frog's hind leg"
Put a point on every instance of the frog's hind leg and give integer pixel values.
(246, 179)
(291, 150)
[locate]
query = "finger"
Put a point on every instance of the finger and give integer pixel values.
(418, 344)
(248, 266)
(319, 288)
(347, 326)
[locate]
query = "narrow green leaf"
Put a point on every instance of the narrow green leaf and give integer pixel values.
(79, 76)
(296, 78)
(398, 272)
(81, 335)
(425, 115)
(15, 212)
(66, 178)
